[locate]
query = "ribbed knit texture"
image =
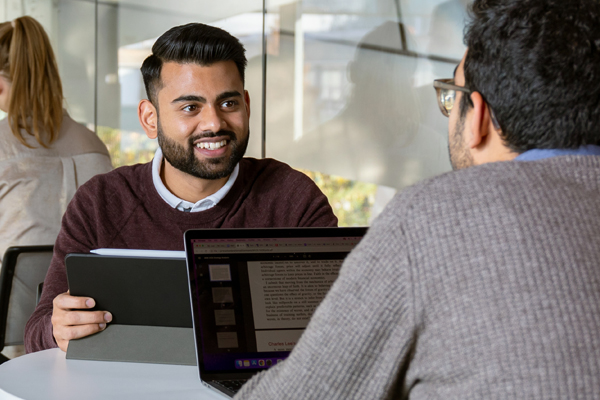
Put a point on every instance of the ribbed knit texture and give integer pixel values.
(122, 209)
(477, 284)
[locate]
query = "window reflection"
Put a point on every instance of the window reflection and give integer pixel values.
(369, 114)
(348, 95)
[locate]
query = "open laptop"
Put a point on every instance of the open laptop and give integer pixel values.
(253, 292)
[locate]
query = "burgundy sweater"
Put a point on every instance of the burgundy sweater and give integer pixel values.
(122, 209)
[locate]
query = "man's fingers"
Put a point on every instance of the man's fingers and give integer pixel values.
(65, 301)
(62, 344)
(77, 331)
(69, 323)
(86, 317)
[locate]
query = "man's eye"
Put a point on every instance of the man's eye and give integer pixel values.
(229, 104)
(190, 108)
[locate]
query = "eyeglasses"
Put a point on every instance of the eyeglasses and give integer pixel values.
(446, 97)
(446, 94)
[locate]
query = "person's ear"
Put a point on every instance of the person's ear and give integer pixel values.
(247, 102)
(481, 122)
(3, 85)
(4, 93)
(148, 116)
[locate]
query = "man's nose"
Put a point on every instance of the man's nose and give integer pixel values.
(211, 119)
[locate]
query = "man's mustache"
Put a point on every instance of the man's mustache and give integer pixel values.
(229, 134)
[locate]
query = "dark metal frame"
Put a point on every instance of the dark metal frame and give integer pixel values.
(9, 263)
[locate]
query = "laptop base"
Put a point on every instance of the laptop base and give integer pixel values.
(229, 388)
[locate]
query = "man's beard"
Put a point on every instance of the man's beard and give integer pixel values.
(459, 155)
(212, 168)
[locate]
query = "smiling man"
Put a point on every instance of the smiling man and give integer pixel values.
(199, 111)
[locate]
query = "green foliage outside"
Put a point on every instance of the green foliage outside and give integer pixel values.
(138, 148)
(351, 201)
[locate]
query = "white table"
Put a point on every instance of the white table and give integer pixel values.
(49, 375)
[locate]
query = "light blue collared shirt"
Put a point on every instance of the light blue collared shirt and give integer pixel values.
(182, 205)
(539, 154)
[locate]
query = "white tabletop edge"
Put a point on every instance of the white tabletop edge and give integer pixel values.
(48, 375)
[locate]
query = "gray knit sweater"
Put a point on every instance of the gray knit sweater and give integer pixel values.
(477, 284)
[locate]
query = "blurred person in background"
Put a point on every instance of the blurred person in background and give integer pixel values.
(44, 155)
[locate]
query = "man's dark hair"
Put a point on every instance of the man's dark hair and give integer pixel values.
(537, 65)
(192, 43)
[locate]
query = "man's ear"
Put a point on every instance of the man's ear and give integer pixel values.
(148, 116)
(247, 102)
(480, 122)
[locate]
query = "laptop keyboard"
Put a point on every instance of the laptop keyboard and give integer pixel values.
(233, 385)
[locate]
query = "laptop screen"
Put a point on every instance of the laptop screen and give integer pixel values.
(254, 291)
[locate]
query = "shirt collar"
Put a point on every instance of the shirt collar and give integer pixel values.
(182, 205)
(539, 154)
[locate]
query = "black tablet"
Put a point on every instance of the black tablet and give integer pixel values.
(149, 300)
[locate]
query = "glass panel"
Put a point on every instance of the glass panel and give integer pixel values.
(349, 93)
(75, 51)
(349, 96)
(70, 26)
(128, 29)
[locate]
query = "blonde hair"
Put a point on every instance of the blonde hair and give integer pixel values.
(36, 98)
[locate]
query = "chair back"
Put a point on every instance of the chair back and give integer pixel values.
(23, 268)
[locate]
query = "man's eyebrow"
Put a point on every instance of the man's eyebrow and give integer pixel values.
(200, 99)
(225, 95)
(190, 97)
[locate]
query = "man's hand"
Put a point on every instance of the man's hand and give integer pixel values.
(70, 321)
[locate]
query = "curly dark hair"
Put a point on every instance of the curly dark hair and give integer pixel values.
(537, 65)
(192, 43)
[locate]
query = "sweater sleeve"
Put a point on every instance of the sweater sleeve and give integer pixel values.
(77, 235)
(361, 335)
(310, 203)
(318, 211)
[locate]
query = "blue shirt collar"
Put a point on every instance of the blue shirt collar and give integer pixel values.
(539, 154)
